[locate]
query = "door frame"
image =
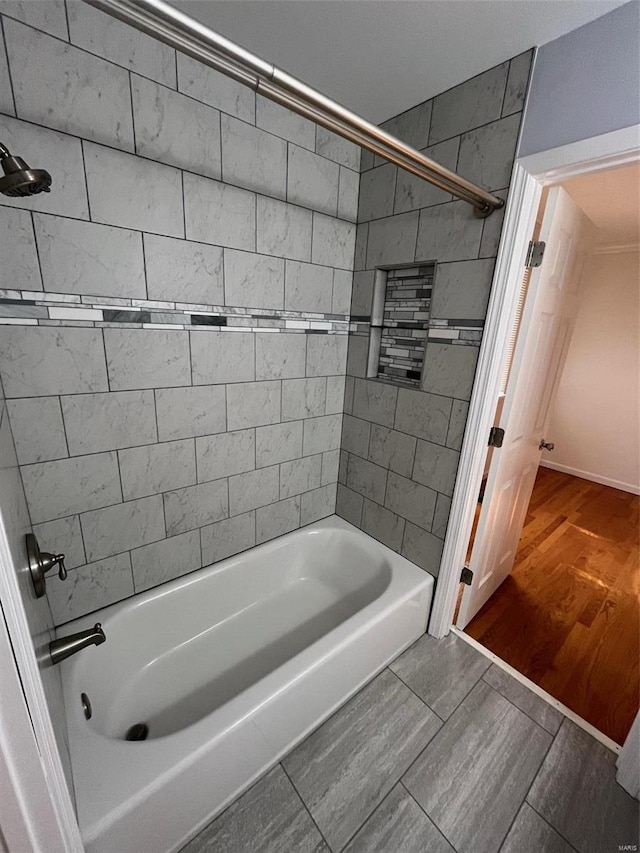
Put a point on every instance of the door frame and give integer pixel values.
(530, 175)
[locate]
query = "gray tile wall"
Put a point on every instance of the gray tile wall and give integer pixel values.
(149, 450)
(400, 446)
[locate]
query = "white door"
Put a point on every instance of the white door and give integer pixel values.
(544, 335)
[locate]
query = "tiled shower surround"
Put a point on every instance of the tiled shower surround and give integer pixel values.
(400, 445)
(174, 313)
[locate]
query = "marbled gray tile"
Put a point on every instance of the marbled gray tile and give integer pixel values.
(533, 706)
(38, 429)
(39, 361)
(422, 548)
(300, 475)
(188, 412)
(517, 80)
(20, 268)
(49, 17)
(225, 454)
(61, 154)
(333, 241)
(132, 192)
(105, 36)
(277, 519)
(90, 587)
(90, 259)
(268, 818)
(68, 89)
(412, 192)
(375, 401)
(252, 158)
(457, 424)
(127, 525)
(284, 230)
(441, 672)
(423, 415)
(156, 468)
(195, 506)
(161, 116)
(367, 479)
(312, 181)
(357, 354)
(326, 354)
(67, 486)
(345, 768)
(216, 89)
(318, 504)
(254, 489)
(531, 834)
(377, 192)
(362, 293)
(335, 395)
(360, 255)
(253, 404)
(392, 240)
(220, 357)
(228, 537)
(303, 398)
(348, 194)
(462, 290)
(355, 437)
(492, 230)
(330, 467)
(576, 792)
(449, 370)
(63, 536)
(349, 505)
(308, 287)
(179, 270)
(342, 285)
(486, 154)
(399, 825)
(280, 356)
(382, 524)
(337, 148)
(278, 443)
(411, 126)
(146, 358)
(349, 387)
(97, 422)
(472, 103)
(218, 213)
(441, 516)
(474, 775)
(253, 281)
(284, 123)
(392, 449)
(322, 434)
(436, 466)
(165, 560)
(411, 500)
(448, 232)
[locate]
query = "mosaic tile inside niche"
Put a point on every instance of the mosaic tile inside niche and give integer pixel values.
(405, 323)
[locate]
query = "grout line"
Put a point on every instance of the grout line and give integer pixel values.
(429, 818)
(304, 805)
(542, 817)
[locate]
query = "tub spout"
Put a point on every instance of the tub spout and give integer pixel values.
(67, 646)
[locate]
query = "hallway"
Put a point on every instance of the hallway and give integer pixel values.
(567, 617)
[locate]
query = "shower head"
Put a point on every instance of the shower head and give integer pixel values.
(18, 179)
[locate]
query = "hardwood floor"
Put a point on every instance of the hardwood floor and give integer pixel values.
(568, 615)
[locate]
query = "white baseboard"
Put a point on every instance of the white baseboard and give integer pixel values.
(595, 478)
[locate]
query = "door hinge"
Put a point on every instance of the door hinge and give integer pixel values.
(496, 437)
(535, 253)
(466, 576)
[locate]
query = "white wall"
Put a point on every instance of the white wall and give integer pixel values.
(595, 422)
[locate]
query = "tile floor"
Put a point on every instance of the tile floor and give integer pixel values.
(443, 752)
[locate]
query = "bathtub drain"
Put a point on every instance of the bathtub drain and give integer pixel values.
(137, 732)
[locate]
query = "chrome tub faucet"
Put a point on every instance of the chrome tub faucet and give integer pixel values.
(67, 646)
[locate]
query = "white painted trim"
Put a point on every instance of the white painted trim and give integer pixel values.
(588, 475)
(615, 248)
(533, 687)
(628, 774)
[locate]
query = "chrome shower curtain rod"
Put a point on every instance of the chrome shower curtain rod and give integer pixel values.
(164, 22)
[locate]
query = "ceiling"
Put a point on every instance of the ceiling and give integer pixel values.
(380, 57)
(611, 200)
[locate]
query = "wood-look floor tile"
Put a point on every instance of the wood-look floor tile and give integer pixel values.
(268, 818)
(347, 767)
(399, 824)
(531, 834)
(533, 706)
(576, 792)
(441, 672)
(474, 775)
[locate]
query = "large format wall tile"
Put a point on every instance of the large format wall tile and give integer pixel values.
(277, 519)
(156, 468)
(308, 287)
(333, 241)
(486, 153)
(38, 429)
(284, 230)
(412, 192)
(49, 17)
(138, 359)
(226, 454)
(448, 232)
(90, 587)
(254, 489)
(472, 103)
(253, 404)
(284, 123)
(337, 148)
(179, 270)
(251, 280)
(252, 158)
(97, 422)
(219, 213)
(195, 506)
(213, 88)
(20, 268)
(228, 537)
(123, 526)
(218, 357)
(165, 560)
(312, 181)
(392, 240)
(188, 412)
(280, 356)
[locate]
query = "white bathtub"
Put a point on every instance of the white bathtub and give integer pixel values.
(230, 667)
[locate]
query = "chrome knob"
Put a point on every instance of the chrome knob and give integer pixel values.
(50, 560)
(41, 562)
(546, 445)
